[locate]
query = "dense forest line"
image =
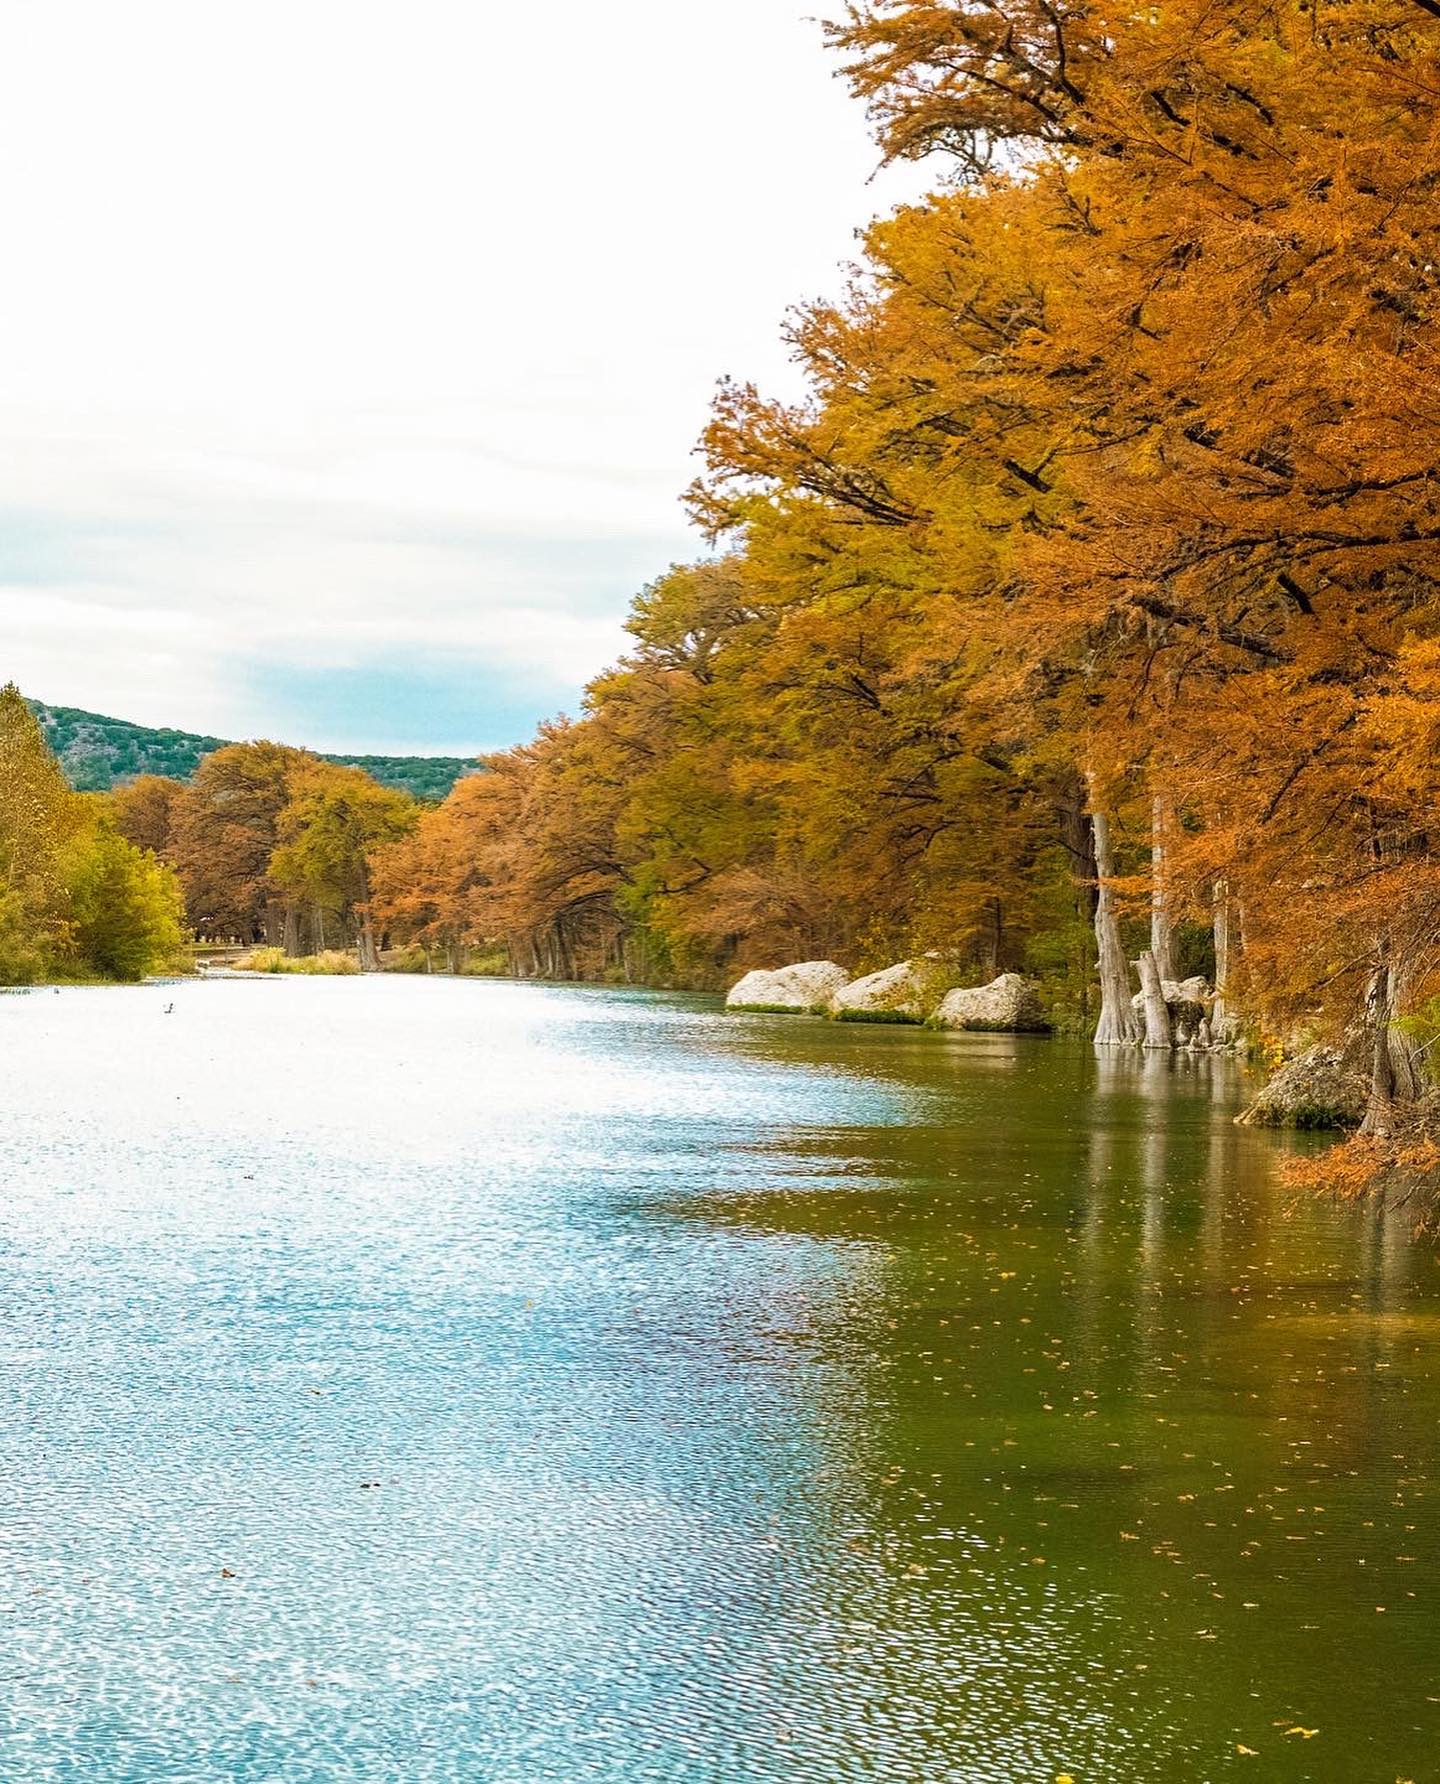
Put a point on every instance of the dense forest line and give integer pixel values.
(1086, 606)
(99, 753)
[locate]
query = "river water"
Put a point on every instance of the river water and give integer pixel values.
(428, 1381)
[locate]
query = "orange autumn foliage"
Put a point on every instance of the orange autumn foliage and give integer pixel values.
(1115, 471)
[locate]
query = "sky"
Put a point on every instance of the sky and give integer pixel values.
(354, 354)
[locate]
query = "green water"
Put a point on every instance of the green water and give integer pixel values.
(442, 1382)
(1148, 1443)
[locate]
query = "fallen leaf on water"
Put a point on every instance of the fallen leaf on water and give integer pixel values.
(1304, 1733)
(1250, 1752)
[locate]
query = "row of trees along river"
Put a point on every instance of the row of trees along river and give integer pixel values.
(1090, 593)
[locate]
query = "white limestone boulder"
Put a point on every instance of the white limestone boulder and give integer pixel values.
(1323, 1087)
(1007, 1005)
(805, 988)
(907, 992)
(1179, 991)
(1188, 1003)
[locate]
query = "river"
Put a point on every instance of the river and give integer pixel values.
(440, 1381)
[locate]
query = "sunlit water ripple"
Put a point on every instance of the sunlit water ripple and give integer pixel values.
(429, 1381)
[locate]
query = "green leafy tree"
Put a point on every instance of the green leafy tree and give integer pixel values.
(38, 816)
(127, 914)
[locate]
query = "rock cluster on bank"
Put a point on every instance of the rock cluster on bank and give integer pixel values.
(911, 991)
(1322, 1087)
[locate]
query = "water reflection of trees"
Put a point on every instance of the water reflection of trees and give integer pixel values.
(1090, 1308)
(1083, 1306)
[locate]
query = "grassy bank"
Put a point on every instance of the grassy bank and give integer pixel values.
(333, 963)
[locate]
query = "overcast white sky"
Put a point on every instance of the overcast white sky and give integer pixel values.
(352, 355)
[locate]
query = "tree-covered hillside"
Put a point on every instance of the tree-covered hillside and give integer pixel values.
(98, 753)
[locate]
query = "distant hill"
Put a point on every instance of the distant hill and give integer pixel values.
(99, 753)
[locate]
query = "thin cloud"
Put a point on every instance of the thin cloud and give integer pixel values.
(334, 332)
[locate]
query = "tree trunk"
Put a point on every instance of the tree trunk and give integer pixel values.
(1395, 1070)
(1077, 835)
(1157, 1017)
(292, 929)
(1222, 949)
(1221, 1021)
(1162, 941)
(368, 952)
(995, 936)
(1117, 1026)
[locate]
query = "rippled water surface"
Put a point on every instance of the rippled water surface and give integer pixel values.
(428, 1381)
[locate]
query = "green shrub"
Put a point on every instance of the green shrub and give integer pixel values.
(262, 960)
(331, 964)
(24, 948)
(487, 966)
(410, 959)
(126, 909)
